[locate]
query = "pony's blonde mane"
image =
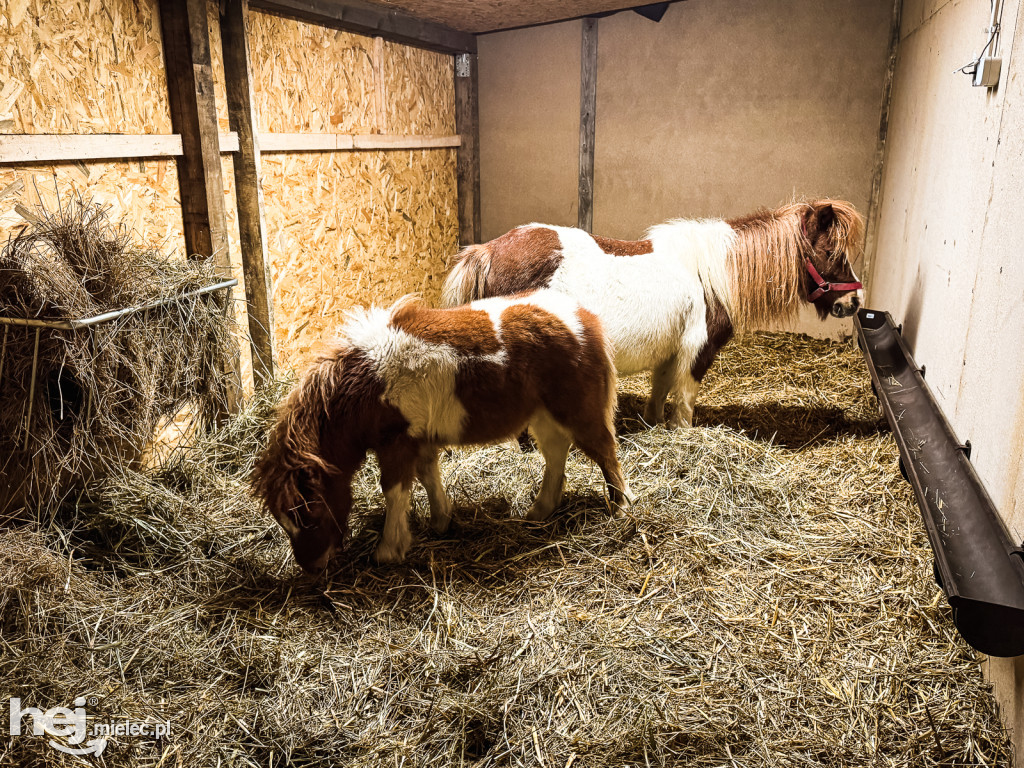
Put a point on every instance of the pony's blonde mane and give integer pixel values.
(766, 262)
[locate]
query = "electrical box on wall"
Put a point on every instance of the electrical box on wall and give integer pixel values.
(986, 72)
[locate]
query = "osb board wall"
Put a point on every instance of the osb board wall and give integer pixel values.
(142, 194)
(81, 66)
(419, 91)
(85, 66)
(310, 79)
(350, 228)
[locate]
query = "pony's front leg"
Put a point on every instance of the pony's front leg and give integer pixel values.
(686, 390)
(429, 473)
(553, 442)
(397, 465)
(663, 380)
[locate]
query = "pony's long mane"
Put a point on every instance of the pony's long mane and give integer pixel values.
(291, 472)
(766, 261)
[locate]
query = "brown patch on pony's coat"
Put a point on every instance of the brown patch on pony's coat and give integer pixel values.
(521, 260)
(720, 331)
(470, 331)
(624, 247)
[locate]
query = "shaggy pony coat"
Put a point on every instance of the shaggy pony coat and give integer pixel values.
(669, 302)
(408, 381)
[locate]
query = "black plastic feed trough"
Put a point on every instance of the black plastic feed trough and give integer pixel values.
(978, 566)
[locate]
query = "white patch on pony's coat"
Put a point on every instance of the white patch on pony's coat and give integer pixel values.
(396, 539)
(419, 377)
(564, 308)
(651, 305)
(703, 246)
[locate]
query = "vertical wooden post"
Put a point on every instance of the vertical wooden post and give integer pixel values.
(588, 122)
(467, 124)
(378, 86)
(186, 43)
(248, 190)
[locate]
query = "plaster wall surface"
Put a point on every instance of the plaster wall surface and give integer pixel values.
(529, 126)
(722, 107)
(948, 262)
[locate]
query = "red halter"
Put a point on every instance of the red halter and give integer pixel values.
(823, 286)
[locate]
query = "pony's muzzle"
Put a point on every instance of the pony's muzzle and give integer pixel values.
(847, 305)
(317, 566)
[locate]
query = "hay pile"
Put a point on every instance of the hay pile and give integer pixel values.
(99, 391)
(775, 606)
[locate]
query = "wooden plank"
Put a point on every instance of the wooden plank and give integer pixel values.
(588, 122)
(60, 148)
(875, 197)
(186, 42)
(342, 142)
(467, 161)
(305, 142)
(190, 88)
(248, 190)
(380, 141)
(373, 19)
(380, 113)
(228, 142)
(45, 148)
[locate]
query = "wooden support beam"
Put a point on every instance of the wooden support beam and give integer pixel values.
(588, 122)
(373, 19)
(467, 161)
(248, 190)
(45, 148)
(186, 44)
(344, 142)
(28, 148)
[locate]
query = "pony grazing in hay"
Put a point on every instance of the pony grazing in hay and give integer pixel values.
(669, 302)
(407, 381)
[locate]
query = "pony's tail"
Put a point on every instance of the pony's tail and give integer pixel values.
(467, 279)
(291, 473)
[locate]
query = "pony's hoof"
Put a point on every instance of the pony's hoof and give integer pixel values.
(538, 514)
(652, 418)
(392, 553)
(679, 423)
(439, 523)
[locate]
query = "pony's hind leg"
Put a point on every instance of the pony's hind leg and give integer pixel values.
(598, 442)
(397, 467)
(429, 473)
(553, 442)
(663, 380)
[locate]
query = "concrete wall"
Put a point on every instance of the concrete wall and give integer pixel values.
(722, 107)
(949, 263)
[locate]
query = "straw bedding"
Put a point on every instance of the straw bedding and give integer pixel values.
(772, 605)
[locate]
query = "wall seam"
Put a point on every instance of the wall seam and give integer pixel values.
(875, 198)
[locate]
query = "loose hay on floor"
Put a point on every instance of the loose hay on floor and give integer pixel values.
(775, 606)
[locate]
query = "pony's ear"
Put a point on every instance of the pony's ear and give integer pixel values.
(826, 217)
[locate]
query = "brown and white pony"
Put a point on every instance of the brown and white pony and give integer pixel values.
(407, 381)
(669, 302)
